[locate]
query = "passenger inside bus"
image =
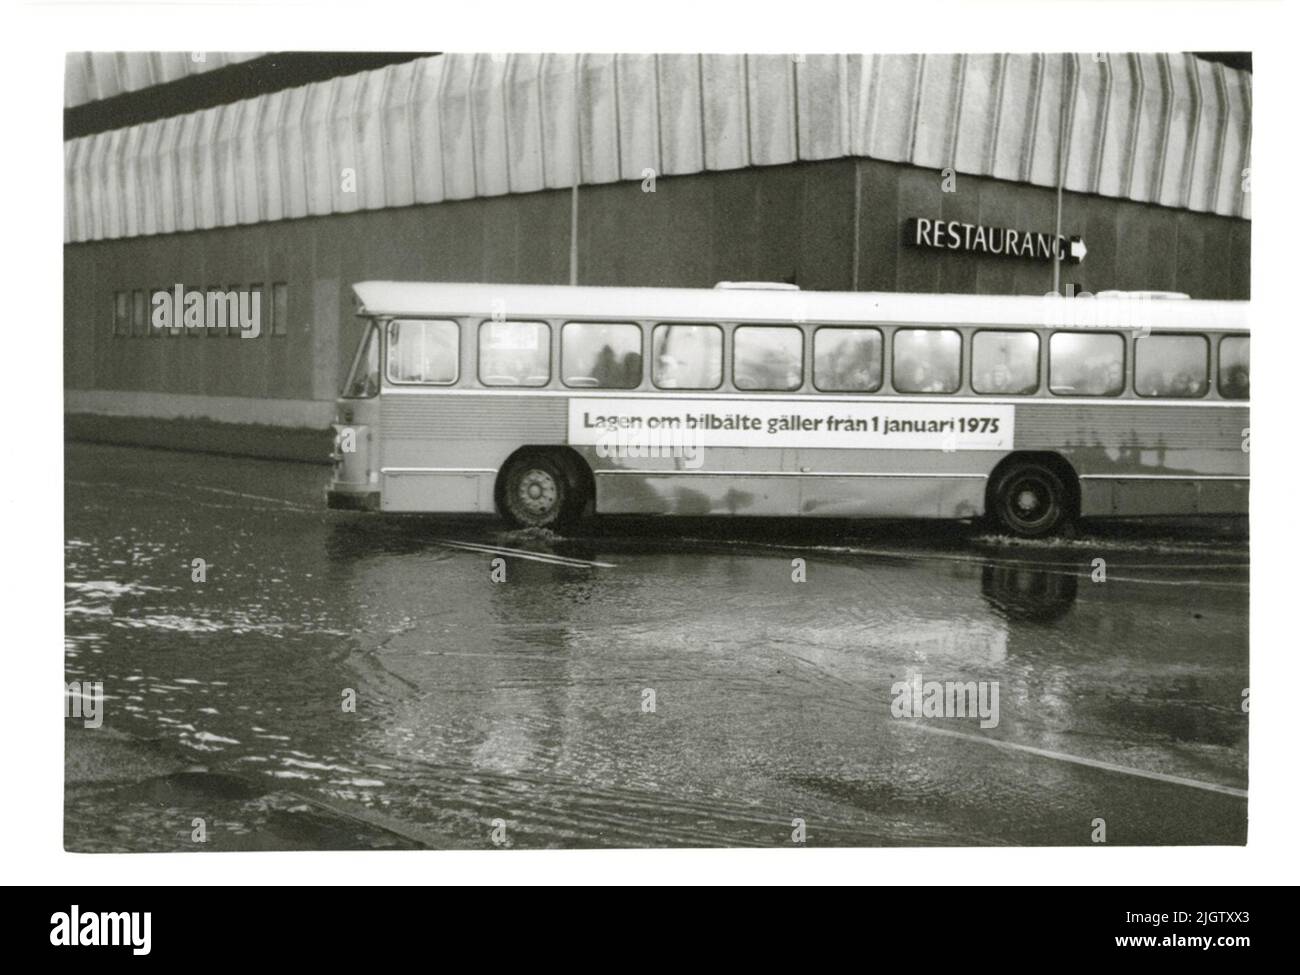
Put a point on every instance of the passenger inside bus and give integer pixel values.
(688, 356)
(1005, 363)
(998, 380)
(770, 370)
(604, 355)
(610, 373)
(927, 360)
(847, 360)
(768, 357)
(1103, 378)
(1236, 382)
(1172, 366)
(669, 371)
(919, 376)
(1086, 364)
(1234, 367)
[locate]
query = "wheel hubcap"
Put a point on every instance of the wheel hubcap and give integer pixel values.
(538, 492)
(1027, 502)
(1031, 501)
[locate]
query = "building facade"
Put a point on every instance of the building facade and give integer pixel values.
(921, 173)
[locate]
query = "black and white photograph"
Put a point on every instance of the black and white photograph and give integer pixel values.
(663, 449)
(602, 448)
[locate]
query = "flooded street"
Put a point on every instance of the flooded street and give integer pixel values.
(643, 683)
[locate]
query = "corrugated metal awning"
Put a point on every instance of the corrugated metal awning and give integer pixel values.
(1173, 130)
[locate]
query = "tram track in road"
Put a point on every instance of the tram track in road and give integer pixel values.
(1113, 767)
(516, 553)
(1080, 568)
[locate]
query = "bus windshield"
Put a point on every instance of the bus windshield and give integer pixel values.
(363, 381)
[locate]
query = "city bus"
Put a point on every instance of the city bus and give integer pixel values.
(544, 403)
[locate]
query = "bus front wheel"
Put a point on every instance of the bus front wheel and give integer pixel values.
(537, 491)
(1031, 500)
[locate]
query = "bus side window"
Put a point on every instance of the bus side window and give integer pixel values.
(1172, 365)
(768, 357)
(423, 352)
(927, 360)
(687, 356)
(601, 355)
(1234, 367)
(1086, 364)
(847, 360)
(1004, 363)
(514, 353)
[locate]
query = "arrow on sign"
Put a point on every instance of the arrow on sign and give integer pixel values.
(1078, 250)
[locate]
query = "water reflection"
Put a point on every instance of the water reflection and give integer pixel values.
(1025, 594)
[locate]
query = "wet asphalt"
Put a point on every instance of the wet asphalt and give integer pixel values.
(351, 681)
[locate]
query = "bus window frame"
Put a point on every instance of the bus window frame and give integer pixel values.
(1125, 342)
(803, 356)
(722, 357)
(1218, 367)
(641, 343)
(811, 352)
(1039, 370)
(371, 324)
(385, 345)
(1209, 363)
(897, 327)
(478, 354)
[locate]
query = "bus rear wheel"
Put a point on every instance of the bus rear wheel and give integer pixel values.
(538, 491)
(1030, 500)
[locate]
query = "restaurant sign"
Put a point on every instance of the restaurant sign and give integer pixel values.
(973, 238)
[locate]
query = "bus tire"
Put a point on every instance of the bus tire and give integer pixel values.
(538, 490)
(1031, 500)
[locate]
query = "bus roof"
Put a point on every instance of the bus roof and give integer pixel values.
(432, 299)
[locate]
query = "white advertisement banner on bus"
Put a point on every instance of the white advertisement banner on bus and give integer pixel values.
(653, 422)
